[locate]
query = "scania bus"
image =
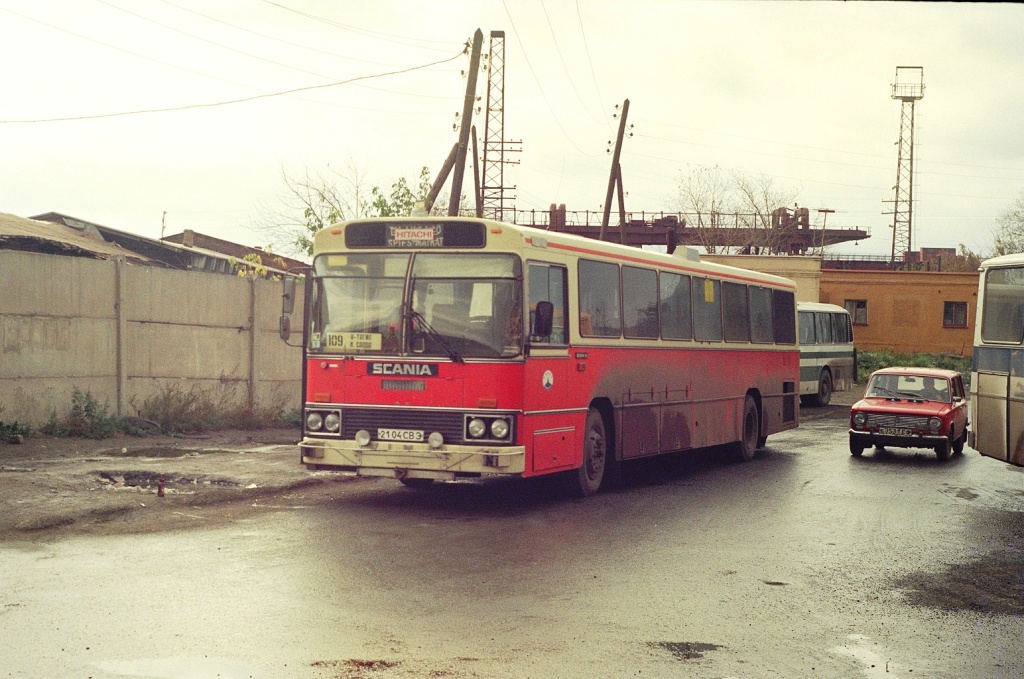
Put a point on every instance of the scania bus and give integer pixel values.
(454, 348)
(826, 351)
(997, 367)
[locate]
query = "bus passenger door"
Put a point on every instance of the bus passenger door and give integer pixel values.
(551, 426)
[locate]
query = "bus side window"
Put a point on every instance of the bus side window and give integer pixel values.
(806, 327)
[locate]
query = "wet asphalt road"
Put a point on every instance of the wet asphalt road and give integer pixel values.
(806, 562)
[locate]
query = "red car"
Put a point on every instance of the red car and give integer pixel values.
(911, 408)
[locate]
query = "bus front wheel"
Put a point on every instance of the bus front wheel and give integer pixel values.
(586, 480)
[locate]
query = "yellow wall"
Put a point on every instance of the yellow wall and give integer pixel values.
(804, 271)
(905, 308)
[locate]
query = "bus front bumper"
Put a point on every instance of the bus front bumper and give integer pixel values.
(412, 460)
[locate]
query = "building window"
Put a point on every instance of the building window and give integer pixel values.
(954, 314)
(858, 309)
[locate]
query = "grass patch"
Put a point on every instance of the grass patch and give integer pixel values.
(870, 361)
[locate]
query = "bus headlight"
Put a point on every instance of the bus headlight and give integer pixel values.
(859, 419)
(314, 422)
(935, 424)
(476, 428)
(332, 422)
(499, 429)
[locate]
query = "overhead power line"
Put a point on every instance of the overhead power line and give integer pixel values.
(242, 100)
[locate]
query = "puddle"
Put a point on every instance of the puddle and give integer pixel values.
(684, 650)
(164, 451)
(150, 480)
(180, 668)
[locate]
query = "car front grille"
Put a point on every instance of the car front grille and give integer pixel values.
(889, 420)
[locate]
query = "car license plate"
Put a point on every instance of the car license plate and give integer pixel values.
(399, 435)
(895, 431)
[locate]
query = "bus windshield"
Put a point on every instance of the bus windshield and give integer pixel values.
(458, 305)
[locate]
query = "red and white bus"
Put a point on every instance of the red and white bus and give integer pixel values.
(452, 348)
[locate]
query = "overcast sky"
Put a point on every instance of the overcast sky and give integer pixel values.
(798, 92)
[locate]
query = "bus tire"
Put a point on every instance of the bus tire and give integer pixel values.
(750, 431)
(586, 480)
(824, 394)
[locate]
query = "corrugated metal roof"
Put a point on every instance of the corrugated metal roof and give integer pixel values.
(20, 233)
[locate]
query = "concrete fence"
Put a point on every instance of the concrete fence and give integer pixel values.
(125, 333)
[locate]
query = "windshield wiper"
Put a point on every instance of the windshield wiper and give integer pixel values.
(421, 322)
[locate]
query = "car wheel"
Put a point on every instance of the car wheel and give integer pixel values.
(856, 448)
(958, 445)
(586, 480)
(942, 450)
(824, 394)
(745, 449)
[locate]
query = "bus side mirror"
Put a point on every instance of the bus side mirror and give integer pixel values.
(287, 306)
(288, 296)
(544, 316)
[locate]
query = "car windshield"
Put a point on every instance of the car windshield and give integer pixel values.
(909, 387)
(458, 305)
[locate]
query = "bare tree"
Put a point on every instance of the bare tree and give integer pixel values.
(1009, 238)
(739, 202)
(758, 198)
(705, 193)
(313, 200)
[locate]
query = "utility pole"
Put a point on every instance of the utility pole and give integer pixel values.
(467, 116)
(615, 179)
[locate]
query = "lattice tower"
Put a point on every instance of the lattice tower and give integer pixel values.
(908, 89)
(497, 198)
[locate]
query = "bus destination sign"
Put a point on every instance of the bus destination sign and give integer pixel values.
(416, 236)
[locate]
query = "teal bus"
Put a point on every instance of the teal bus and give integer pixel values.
(827, 362)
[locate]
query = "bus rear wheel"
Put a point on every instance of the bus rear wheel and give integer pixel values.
(746, 447)
(824, 394)
(586, 480)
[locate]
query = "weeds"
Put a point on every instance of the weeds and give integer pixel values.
(870, 361)
(11, 429)
(174, 409)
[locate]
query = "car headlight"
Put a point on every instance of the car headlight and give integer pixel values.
(935, 424)
(860, 419)
(476, 428)
(314, 421)
(499, 429)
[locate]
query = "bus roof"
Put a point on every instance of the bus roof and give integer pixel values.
(820, 306)
(584, 247)
(1015, 259)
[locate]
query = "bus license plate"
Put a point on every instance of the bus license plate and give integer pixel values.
(399, 435)
(895, 431)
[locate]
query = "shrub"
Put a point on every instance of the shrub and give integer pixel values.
(870, 361)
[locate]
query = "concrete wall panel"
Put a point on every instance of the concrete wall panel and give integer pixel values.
(33, 284)
(186, 297)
